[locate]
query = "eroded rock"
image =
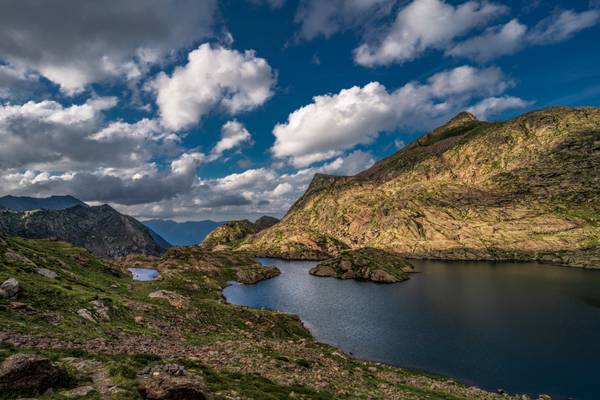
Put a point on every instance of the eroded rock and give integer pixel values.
(173, 298)
(31, 372)
(172, 382)
(9, 288)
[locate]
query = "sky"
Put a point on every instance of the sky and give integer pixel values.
(189, 110)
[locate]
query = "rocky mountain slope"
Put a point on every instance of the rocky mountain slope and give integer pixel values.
(232, 233)
(23, 203)
(88, 331)
(102, 230)
(523, 189)
(182, 233)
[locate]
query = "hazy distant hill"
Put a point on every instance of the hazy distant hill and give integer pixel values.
(523, 189)
(102, 230)
(34, 203)
(182, 233)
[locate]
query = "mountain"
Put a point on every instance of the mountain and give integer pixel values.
(232, 233)
(182, 233)
(35, 203)
(523, 189)
(101, 230)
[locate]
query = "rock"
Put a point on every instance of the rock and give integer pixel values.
(78, 392)
(365, 264)
(47, 273)
(86, 314)
(10, 288)
(252, 275)
(138, 319)
(100, 309)
(171, 382)
(174, 299)
(31, 372)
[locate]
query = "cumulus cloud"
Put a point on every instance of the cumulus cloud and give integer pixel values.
(333, 123)
(49, 148)
(424, 25)
(250, 193)
(317, 17)
(514, 36)
(214, 77)
(233, 134)
(495, 105)
(73, 43)
(16, 82)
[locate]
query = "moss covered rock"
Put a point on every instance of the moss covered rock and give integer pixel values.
(366, 264)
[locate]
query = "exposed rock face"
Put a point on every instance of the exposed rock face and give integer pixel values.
(172, 382)
(233, 232)
(101, 230)
(523, 189)
(9, 288)
(365, 264)
(31, 372)
(265, 222)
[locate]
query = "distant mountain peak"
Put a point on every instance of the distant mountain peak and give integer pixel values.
(26, 203)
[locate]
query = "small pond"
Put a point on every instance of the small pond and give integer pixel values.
(143, 274)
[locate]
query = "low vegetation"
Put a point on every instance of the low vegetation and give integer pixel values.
(123, 335)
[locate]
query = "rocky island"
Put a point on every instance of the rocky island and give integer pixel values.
(365, 264)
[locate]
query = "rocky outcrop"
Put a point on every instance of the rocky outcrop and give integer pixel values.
(265, 222)
(102, 230)
(233, 233)
(9, 288)
(366, 264)
(254, 275)
(172, 382)
(527, 189)
(32, 373)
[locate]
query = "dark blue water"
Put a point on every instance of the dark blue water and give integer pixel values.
(524, 328)
(143, 274)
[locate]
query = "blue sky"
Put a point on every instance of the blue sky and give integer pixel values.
(193, 110)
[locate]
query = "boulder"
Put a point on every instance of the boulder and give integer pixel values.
(31, 372)
(47, 273)
(172, 382)
(174, 299)
(9, 288)
(86, 314)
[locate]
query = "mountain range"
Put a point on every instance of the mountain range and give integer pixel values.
(33, 203)
(523, 189)
(102, 230)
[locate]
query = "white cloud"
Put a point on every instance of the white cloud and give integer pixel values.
(16, 81)
(501, 40)
(214, 77)
(495, 105)
(74, 43)
(334, 123)
(424, 25)
(563, 26)
(317, 17)
(233, 134)
(514, 36)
